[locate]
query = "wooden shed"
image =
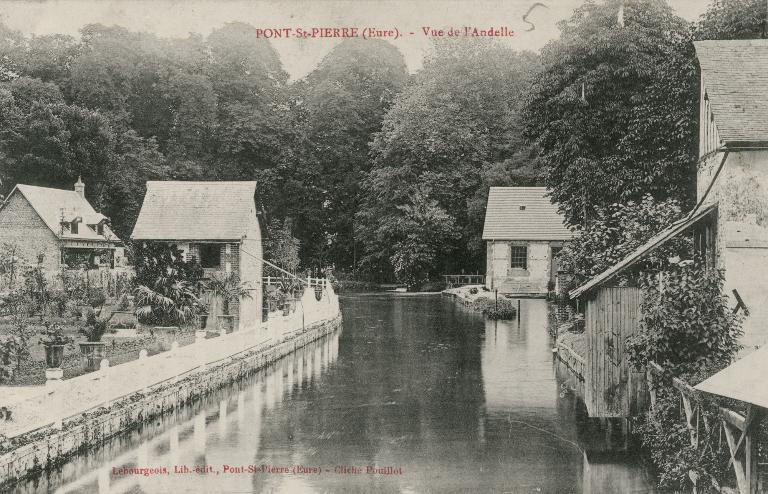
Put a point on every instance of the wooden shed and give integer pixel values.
(612, 314)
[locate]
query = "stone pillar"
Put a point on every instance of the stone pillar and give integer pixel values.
(53, 376)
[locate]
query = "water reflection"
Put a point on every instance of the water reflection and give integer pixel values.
(412, 383)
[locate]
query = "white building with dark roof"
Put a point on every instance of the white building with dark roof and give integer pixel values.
(523, 232)
(733, 172)
(215, 224)
(57, 228)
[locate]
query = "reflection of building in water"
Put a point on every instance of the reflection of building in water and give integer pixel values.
(227, 430)
(516, 362)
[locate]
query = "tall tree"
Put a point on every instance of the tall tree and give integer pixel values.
(339, 106)
(614, 108)
(456, 120)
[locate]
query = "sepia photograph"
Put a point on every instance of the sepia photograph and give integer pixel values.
(383, 246)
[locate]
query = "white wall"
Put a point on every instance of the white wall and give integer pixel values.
(502, 277)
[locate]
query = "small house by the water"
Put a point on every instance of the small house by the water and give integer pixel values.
(214, 224)
(523, 232)
(57, 228)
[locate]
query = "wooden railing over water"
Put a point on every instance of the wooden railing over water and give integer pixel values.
(454, 280)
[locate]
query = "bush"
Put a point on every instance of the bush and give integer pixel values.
(688, 329)
(473, 291)
(356, 286)
(432, 286)
(96, 297)
(505, 310)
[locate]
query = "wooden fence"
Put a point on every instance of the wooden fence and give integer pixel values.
(454, 280)
(741, 431)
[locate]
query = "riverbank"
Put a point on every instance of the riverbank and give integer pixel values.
(48, 447)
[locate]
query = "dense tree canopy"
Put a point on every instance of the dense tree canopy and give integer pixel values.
(614, 108)
(374, 171)
(451, 126)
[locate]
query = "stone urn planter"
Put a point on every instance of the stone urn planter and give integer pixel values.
(226, 323)
(54, 355)
(92, 353)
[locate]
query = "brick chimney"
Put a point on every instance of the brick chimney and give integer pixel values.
(80, 187)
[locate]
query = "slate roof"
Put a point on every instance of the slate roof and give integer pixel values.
(196, 211)
(743, 380)
(505, 220)
(735, 76)
(54, 204)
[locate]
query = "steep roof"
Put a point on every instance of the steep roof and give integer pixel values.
(53, 205)
(196, 211)
(743, 380)
(523, 213)
(654, 243)
(735, 76)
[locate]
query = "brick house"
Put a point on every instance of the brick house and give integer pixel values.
(523, 232)
(215, 224)
(58, 228)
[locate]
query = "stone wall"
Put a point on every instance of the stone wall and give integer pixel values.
(47, 447)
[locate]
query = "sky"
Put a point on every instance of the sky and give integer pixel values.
(178, 18)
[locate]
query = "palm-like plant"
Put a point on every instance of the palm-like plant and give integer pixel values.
(170, 302)
(228, 288)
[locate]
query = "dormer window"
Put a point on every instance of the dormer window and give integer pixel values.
(100, 228)
(73, 228)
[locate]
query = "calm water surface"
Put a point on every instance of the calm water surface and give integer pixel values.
(454, 402)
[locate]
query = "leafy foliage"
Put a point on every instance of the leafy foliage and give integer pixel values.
(281, 248)
(168, 287)
(228, 288)
(614, 109)
(688, 329)
(686, 323)
(619, 229)
(456, 120)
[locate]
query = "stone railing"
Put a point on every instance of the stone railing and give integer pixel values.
(43, 406)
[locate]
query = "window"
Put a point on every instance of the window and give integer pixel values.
(522, 208)
(73, 228)
(519, 257)
(210, 255)
(100, 228)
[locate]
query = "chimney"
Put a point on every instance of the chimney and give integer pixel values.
(80, 187)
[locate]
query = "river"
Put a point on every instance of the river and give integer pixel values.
(435, 397)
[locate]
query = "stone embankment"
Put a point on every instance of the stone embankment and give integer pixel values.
(54, 423)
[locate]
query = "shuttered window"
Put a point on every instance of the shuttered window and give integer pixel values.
(519, 257)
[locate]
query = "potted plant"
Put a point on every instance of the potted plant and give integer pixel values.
(93, 350)
(227, 289)
(54, 340)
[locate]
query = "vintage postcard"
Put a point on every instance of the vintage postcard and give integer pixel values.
(384, 246)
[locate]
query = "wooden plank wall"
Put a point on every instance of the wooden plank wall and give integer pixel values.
(612, 388)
